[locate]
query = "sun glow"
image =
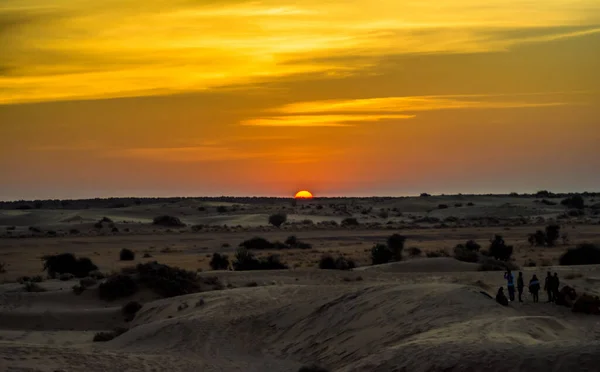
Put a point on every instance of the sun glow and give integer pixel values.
(304, 195)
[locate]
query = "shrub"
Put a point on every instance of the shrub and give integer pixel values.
(552, 234)
(538, 239)
(438, 253)
(442, 206)
(277, 219)
(384, 214)
(381, 254)
(425, 195)
(414, 251)
(130, 309)
(167, 281)
(303, 245)
(117, 286)
(78, 289)
(499, 250)
(67, 263)
(490, 264)
(461, 253)
(245, 260)
(105, 219)
(272, 262)
(107, 336)
(74, 231)
(88, 282)
(327, 262)
(219, 262)
(575, 201)
(583, 254)
(221, 209)
(96, 274)
(470, 204)
(396, 244)
(33, 287)
(66, 276)
(257, 243)
(168, 221)
(472, 245)
(126, 255)
(350, 221)
(291, 241)
(2, 267)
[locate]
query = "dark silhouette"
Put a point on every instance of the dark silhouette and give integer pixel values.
(520, 286)
(555, 286)
(499, 250)
(534, 288)
(510, 283)
(583, 254)
(548, 283)
(501, 298)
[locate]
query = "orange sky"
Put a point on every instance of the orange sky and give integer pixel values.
(182, 97)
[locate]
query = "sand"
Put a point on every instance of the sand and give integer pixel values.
(422, 314)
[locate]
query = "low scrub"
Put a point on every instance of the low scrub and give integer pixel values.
(327, 262)
(118, 286)
(461, 253)
(246, 261)
(277, 219)
(257, 243)
(583, 254)
(350, 221)
(68, 263)
(108, 336)
(499, 250)
(126, 255)
(130, 309)
(168, 221)
(380, 254)
(414, 251)
(490, 264)
(396, 244)
(219, 261)
(33, 287)
(438, 253)
(167, 281)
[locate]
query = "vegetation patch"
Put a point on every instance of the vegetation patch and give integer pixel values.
(68, 263)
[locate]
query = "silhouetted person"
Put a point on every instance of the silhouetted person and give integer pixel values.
(534, 288)
(548, 285)
(501, 298)
(555, 286)
(510, 283)
(520, 286)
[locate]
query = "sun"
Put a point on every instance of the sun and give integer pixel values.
(304, 195)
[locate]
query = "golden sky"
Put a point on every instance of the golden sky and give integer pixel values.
(388, 97)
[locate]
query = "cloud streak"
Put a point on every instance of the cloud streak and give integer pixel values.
(81, 50)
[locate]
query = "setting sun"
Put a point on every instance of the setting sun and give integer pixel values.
(303, 195)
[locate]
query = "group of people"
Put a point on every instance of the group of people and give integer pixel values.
(551, 286)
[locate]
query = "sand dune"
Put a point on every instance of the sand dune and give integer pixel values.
(383, 323)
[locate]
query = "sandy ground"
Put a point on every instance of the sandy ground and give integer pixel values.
(422, 314)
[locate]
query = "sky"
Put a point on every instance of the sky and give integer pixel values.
(353, 98)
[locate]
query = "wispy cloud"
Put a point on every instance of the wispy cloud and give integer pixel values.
(343, 113)
(87, 50)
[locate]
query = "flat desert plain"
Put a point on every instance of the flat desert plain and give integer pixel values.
(427, 312)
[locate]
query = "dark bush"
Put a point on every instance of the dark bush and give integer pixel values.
(219, 262)
(396, 245)
(126, 255)
(575, 201)
(277, 219)
(167, 281)
(547, 202)
(350, 221)
(384, 214)
(490, 264)
(74, 231)
(327, 262)
(291, 241)
(88, 282)
(552, 234)
(221, 209)
(118, 286)
(438, 253)
(461, 253)
(245, 260)
(425, 195)
(168, 221)
(33, 287)
(381, 254)
(499, 250)
(107, 336)
(130, 309)
(414, 251)
(583, 254)
(272, 262)
(67, 263)
(471, 245)
(538, 239)
(257, 243)
(470, 204)
(303, 245)
(105, 219)
(442, 206)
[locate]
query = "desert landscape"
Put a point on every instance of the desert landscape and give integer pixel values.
(282, 284)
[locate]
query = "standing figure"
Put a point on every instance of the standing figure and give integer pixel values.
(510, 283)
(555, 286)
(548, 285)
(534, 288)
(520, 285)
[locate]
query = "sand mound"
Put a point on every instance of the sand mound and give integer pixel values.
(372, 325)
(436, 264)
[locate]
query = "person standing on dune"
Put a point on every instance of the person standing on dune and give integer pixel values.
(510, 283)
(534, 288)
(548, 285)
(520, 285)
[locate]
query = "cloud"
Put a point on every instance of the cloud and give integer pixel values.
(89, 50)
(349, 112)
